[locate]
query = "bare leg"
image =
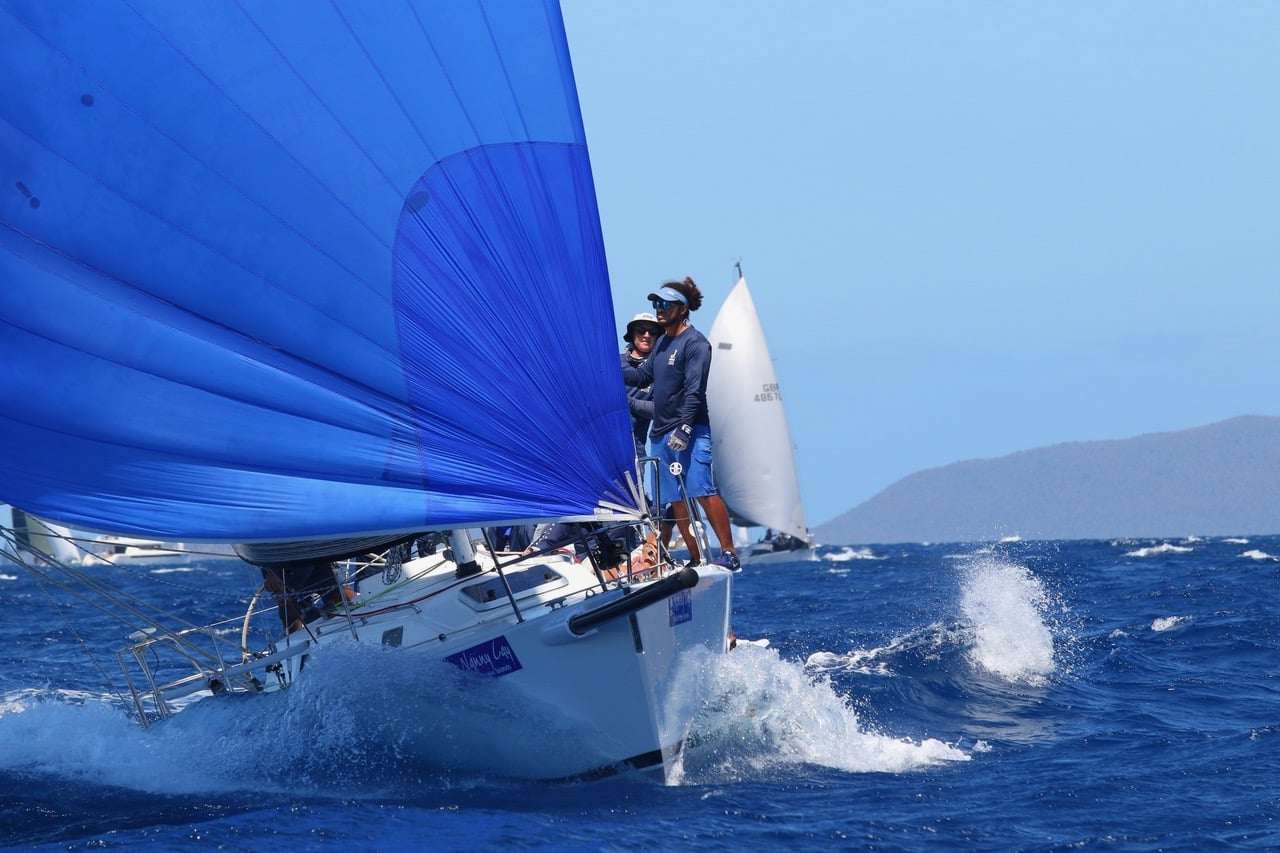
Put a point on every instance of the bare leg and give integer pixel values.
(666, 528)
(681, 514)
(718, 517)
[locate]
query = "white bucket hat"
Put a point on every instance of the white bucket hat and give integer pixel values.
(644, 318)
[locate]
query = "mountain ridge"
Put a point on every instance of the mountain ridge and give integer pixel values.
(1219, 479)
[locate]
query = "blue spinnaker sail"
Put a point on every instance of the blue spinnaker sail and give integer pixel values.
(298, 269)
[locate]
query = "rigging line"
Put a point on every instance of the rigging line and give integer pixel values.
(39, 579)
(107, 594)
(82, 544)
(153, 579)
(160, 550)
(390, 608)
(104, 592)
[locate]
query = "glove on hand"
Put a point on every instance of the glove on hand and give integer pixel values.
(680, 437)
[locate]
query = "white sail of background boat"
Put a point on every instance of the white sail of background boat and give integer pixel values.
(754, 458)
(280, 251)
(25, 537)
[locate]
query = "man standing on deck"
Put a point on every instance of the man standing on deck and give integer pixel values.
(677, 368)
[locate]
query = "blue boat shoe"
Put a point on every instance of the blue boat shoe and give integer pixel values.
(729, 560)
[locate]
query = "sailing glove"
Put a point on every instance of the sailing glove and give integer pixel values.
(680, 437)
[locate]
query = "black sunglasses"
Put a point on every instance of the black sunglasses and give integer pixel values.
(647, 330)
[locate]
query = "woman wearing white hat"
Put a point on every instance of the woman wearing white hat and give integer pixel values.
(642, 333)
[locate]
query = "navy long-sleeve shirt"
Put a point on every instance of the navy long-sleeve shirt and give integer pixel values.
(678, 369)
(640, 401)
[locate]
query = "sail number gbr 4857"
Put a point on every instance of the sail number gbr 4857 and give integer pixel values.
(769, 393)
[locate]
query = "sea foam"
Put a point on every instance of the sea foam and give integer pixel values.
(767, 714)
(1156, 550)
(1006, 605)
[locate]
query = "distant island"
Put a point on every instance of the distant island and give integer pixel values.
(1215, 480)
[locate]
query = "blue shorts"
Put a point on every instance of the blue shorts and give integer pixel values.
(696, 461)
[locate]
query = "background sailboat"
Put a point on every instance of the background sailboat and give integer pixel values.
(25, 537)
(754, 457)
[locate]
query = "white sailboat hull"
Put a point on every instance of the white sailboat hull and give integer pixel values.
(760, 552)
(624, 694)
(618, 689)
(620, 694)
(123, 549)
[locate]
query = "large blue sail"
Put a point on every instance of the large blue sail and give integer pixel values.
(286, 270)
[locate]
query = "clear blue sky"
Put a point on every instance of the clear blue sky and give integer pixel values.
(970, 228)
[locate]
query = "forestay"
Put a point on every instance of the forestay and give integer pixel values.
(279, 270)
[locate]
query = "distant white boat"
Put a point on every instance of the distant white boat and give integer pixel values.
(23, 536)
(117, 549)
(754, 458)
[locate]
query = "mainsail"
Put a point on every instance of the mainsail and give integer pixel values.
(276, 271)
(755, 465)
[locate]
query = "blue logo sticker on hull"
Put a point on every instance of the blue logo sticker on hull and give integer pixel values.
(494, 658)
(680, 608)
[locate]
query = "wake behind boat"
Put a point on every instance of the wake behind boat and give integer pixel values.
(287, 270)
(755, 464)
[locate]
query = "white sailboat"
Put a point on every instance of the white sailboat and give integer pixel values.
(130, 549)
(282, 249)
(24, 537)
(754, 458)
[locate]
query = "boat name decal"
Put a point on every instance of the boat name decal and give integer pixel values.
(680, 608)
(495, 658)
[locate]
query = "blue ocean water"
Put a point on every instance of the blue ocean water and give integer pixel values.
(1013, 696)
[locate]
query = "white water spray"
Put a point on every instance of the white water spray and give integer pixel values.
(767, 714)
(1006, 605)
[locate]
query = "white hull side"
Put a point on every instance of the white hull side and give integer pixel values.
(119, 549)
(621, 695)
(756, 558)
(628, 691)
